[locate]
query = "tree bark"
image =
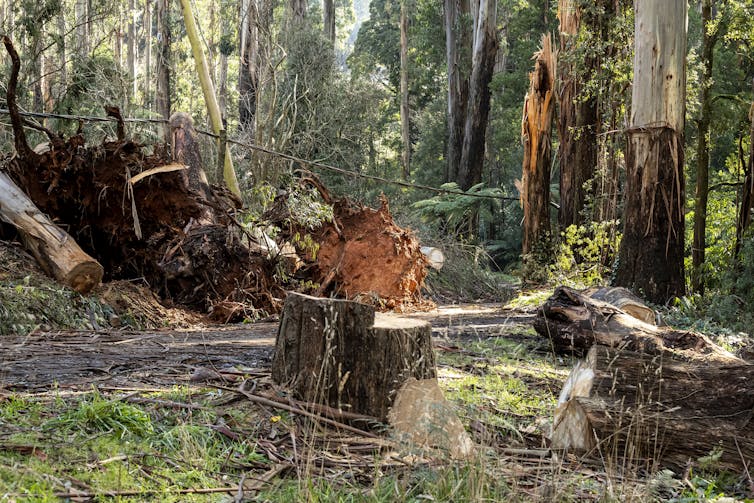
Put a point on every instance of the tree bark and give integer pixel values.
(131, 51)
(338, 353)
(477, 111)
(575, 322)
(648, 410)
(328, 19)
(298, 10)
(147, 99)
(248, 75)
(651, 252)
(55, 250)
(457, 43)
(536, 125)
(405, 122)
(210, 98)
(81, 8)
(699, 246)
(164, 37)
(747, 192)
(577, 126)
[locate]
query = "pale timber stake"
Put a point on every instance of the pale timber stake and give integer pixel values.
(213, 108)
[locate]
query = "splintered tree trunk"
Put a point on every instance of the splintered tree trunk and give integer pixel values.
(537, 122)
(574, 322)
(578, 119)
(337, 353)
(651, 253)
(482, 65)
(56, 252)
(185, 144)
(647, 410)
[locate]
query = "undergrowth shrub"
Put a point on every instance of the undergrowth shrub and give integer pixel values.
(585, 253)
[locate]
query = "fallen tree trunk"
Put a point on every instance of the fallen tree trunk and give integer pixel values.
(574, 323)
(338, 353)
(651, 409)
(56, 251)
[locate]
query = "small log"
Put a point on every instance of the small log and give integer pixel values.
(655, 408)
(575, 322)
(339, 353)
(57, 253)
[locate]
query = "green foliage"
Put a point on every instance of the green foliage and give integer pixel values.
(33, 302)
(452, 211)
(585, 254)
(99, 414)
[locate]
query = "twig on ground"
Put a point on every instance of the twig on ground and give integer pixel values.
(295, 410)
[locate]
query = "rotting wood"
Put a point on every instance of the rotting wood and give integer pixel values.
(650, 409)
(338, 353)
(539, 107)
(575, 322)
(57, 253)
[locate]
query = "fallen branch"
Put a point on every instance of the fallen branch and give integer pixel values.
(19, 136)
(56, 251)
(295, 410)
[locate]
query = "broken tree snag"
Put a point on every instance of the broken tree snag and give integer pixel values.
(575, 322)
(56, 252)
(339, 353)
(185, 147)
(539, 106)
(648, 409)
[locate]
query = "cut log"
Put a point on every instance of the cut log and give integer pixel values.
(574, 323)
(339, 353)
(57, 253)
(625, 300)
(651, 409)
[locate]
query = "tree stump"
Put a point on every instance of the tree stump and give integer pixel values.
(655, 408)
(339, 353)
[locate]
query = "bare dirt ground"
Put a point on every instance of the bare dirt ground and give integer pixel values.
(79, 359)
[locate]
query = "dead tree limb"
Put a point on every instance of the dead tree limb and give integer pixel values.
(19, 136)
